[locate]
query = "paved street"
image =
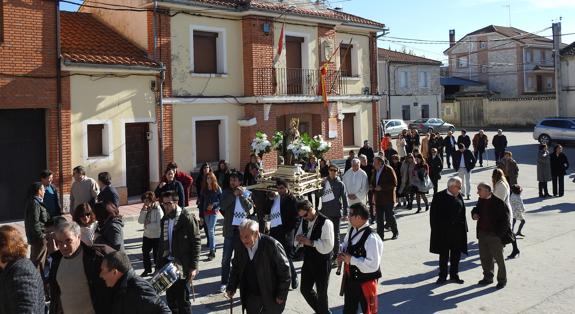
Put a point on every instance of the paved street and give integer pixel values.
(540, 281)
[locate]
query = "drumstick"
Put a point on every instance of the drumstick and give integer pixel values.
(231, 305)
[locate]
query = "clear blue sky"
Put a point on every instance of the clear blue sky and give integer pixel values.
(432, 19)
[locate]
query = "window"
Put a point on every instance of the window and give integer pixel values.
(406, 112)
(548, 57)
(484, 68)
(482, 44)
(425, 113)
(207, 141)
(207, 50)
(403, 79)
(96, 140)
(528, 56)
(549, 84)
(345, 52)
(423, 79)
(462, 62)
(537, 56)
(563, 124)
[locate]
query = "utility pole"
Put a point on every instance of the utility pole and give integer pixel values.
(557, 65)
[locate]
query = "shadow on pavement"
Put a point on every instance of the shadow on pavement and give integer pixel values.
(563, 208)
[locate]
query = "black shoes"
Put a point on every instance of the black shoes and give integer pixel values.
(456, 280)
(501, 285)
(395, 235)
(519, 234)
(468, 197)
(294, 283)
(485, 282)
(514, 254)
(440, 281)
(211, 255)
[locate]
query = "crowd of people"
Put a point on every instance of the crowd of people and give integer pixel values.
(80, 266)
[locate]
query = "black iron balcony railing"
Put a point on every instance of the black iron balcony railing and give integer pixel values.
(286, 81)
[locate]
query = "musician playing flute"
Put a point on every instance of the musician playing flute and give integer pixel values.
(361, 253)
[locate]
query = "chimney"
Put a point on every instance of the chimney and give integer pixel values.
(451, 38)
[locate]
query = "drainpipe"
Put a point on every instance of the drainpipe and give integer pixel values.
(59, 104)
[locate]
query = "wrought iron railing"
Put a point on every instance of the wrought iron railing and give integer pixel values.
(287, 81)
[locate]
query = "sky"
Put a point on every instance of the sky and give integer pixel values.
(432, 19)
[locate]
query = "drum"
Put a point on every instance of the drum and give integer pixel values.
(165, 278)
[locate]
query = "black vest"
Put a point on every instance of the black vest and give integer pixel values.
(358, 250)
(251, 278)
(310, 253)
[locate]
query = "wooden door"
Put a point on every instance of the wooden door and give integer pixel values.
(23, 142)
(294, 65)
(348, 129)
(137, 158)
(471, 112)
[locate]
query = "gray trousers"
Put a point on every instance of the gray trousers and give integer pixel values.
(490, 249)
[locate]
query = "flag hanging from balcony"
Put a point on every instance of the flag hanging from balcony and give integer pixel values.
(280, 46)
(323, 74)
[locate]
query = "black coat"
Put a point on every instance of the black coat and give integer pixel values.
(134, 295)
(465, 140)
(111, 233)
(273, 273)
(172, 186)
(559, 164)
(288, 210)
(447, 143)
(185, 242)
(101, 296)
(468, 158)
(21, 288)
(435, 167)
(498, 216)
(448, 223)
(109, 195)
(36, 219)
(499, 142)
(368, 152)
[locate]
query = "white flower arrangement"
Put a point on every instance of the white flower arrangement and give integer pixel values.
(320, 146)
(261, 144)
(299, 149)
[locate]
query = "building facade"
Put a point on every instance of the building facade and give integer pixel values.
(511, 62)
(410, 85)
(567, 92)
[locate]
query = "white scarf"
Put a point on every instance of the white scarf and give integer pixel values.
(327, 193)
(275, 213)
(239, 213)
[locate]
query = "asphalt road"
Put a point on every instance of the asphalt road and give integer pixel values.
(541, 280)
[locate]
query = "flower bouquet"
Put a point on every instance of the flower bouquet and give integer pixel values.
(277, 141)
(299, 149)
(260, 144)
(319, 146)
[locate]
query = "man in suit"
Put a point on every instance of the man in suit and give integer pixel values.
(384, 182)
(464, 162)
(108, 193)
(480, 142)
(449, 144)
(464, 139)
(261, 270)
(448, 230)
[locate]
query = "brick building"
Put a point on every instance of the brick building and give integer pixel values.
(30, 132)
(221, 85)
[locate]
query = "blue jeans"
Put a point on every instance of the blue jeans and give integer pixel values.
(210, 221)
(229, 244)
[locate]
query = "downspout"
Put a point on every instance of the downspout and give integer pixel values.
(161, 87)
(59, 104)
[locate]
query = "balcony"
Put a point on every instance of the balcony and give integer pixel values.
(286, 81)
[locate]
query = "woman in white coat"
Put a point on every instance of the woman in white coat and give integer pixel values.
(502, 190)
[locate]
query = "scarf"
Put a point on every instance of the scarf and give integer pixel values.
(275, 213)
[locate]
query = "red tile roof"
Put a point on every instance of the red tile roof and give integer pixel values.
(285, 8)
(84, 39)
(400, 57)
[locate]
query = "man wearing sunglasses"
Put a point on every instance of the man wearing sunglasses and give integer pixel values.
(180, 244)
(334, 204)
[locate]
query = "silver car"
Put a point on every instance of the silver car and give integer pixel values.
(554, 129)
(393, 126)
(431, 125)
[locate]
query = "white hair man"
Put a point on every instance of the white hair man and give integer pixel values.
(261, 270)
(448, 229)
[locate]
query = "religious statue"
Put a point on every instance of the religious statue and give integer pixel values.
(290, 135)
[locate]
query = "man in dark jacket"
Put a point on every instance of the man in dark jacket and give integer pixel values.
(464, 139)
(500, 144)
(261, 270)
(185, 179)
(383, 184)
(236, 205)
(283, 221)
(51, 199)
(74, 283)
(131, 293)
(36, 219)
(463, 163)
(334, 203)
(435, 168)
(180, 244)
(493, 232)
(367, 151)
(350, 157)
(108, 193)
(449, 144)
(448, 229)
(480, 142)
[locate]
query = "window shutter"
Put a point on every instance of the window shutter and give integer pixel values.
(345, 60)
(95, 132)
(205, 52)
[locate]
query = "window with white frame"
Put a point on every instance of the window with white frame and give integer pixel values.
(423, 79)
(97, 139)
(208, 50)
(403, 79)
(482, 44)
(462, 62)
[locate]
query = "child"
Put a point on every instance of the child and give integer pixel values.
(517, 208)
(150, 216)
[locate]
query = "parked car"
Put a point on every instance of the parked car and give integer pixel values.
(431, 125)
(554, 129)
(393, 126)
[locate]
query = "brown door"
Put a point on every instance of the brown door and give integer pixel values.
(293, 65)
(348, 129)
(23, 142)
(207, 141)
(539, 83)
(137, 158)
